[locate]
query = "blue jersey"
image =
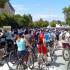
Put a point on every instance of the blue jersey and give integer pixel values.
(21, 44)
(47, 37)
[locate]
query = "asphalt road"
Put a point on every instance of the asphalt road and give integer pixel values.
(58, 64)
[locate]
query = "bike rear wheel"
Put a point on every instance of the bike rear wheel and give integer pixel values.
(66, 54)
(13, 60)
(68, 67)
(31, 62)
(21, 66)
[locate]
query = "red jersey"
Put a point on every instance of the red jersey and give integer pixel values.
(41, 37)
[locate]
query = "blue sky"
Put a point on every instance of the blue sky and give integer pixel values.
(46, 9)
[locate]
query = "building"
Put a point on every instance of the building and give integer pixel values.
(8, 9)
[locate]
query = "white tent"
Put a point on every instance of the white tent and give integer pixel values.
(58, 25)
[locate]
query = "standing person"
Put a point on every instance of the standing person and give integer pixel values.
(29, 47)
(67, 35)
(41, 46)
(47, 37)
(21, 46)
(27, 37)
(9, 40)
(57, 35)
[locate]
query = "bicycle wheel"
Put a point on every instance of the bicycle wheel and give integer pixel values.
(12, 60)
(13, 57)
(40, 63)
(20, 66)
(68, 67)
(65, 54)
(52, 55)
(31, 62)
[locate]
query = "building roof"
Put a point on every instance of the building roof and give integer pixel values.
(11, 6)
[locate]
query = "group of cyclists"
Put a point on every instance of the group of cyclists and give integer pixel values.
(40, 41)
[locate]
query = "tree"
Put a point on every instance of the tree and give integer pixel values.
(41, 23)
(18, 19)
(66, 12)
(46, 23)
(26, 20)
(62, 23)
(2, 17)
(53, 23)
(6, 20)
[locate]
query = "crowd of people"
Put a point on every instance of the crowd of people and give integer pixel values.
(39, 40)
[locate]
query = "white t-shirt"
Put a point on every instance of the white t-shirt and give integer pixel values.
(67, 37)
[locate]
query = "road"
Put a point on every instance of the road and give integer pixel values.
(58, 64)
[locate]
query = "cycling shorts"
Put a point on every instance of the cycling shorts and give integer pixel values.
(22, 53)
(42, 49)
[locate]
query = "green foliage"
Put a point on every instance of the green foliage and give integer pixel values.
(26, 20)
(66, 12)
(62, 23)
(41, 23)
(53, 23)
(6, 20)
(21, 21)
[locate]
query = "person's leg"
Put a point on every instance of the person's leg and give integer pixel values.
(25, 56)
(45, 54)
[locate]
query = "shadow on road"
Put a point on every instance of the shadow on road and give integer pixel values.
(57, 64)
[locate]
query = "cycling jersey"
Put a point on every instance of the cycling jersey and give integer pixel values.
(47, 37)
(21, 44)
(41, 37)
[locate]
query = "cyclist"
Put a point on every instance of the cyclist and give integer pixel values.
(42, 50)
(21, 46)
(67, 35)
(47, 36)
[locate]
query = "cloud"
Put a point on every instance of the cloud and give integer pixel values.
(48, 17)
(20, 9)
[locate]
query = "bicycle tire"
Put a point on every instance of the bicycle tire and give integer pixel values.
(40, 63)
(64, 57)
(31, 63)
(68, 67)
(12, 56)
(20, 66)
(52, 55)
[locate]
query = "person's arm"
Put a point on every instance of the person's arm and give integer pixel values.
(37, 45)
(44, 42)
(27, 43)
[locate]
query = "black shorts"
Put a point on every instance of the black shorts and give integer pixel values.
(10, 45)
(49, 44)
(22, 53)
(3, 43)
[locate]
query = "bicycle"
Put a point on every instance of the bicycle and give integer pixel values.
(31, 59)
(51, 51)
(65, 52)
(20, 61)
(21, 65)
(68, 66)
